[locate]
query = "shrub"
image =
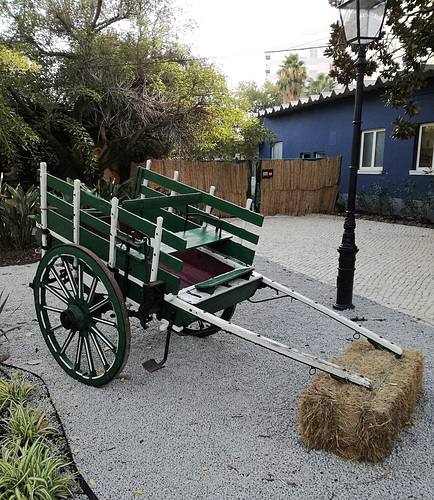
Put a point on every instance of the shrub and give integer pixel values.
(17, 216)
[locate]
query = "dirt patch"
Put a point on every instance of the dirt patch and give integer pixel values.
(10, 256)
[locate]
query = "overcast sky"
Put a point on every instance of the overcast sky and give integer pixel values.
(235, 34)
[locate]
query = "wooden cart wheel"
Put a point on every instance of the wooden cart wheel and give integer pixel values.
(201, 328)
(82, 314)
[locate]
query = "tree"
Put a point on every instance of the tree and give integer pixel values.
(292, 78)
(400, 57)
(115, 85)
(267, 96)
(322, 83)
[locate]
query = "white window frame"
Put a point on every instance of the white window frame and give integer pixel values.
(423, 170)
(372, 169)
(277, 150)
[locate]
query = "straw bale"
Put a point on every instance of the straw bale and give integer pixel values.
(352, 421)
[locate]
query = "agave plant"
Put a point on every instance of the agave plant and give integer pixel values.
(17, 215)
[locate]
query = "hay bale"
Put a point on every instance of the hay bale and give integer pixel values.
(352, 421)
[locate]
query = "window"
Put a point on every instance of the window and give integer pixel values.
(304, 155)
(425, 157)
(319, 154)
(277, 151)
(372, 151)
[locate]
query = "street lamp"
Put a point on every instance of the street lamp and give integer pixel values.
(362, 21)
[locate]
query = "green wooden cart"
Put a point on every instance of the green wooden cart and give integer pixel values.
(161, 255)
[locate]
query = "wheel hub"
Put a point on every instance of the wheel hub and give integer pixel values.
(73, 318)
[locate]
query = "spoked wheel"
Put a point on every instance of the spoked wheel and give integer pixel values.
(82, 314)
(201, 328)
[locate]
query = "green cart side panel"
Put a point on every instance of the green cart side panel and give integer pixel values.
(236, 251)
(180, 200)
(95, 223)
(137, 264)
(219, 302)
(61, 186)
(203, 236)
(178, 223)
(148, 228)
(60, 225)
(90, 200)
(211, 285)
(226, 226)
(63, 206)
(213, 201)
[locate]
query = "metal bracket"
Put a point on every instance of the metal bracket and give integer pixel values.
(151, 365)
(152, 301)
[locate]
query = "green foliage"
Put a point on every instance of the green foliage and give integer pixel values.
(17, 216)
(13, 392)
(31, 467)
(32, 471)
(257, 99)
(26, 424)
(130, 90)
(292, 78)
(400, 57)
(322, 83)
(375, 201)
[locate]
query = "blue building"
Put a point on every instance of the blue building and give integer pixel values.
(321, 126)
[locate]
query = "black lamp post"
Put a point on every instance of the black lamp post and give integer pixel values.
(362, 21)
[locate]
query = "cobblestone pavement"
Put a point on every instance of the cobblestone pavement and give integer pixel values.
(394, 265)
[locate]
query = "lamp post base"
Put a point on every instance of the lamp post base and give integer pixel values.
(347, 265)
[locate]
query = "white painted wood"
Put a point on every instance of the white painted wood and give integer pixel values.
(43, 206)
(173, 193)
(157, 247)
(114, 213)
(76, 211)
(390, 346)
(270, 344)
(208, 208)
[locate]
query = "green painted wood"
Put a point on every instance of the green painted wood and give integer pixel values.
(59, 185)
(226, 226)
(220, 302)
(213, 201)
(90, 200)
(203, 236)
(146, 227)
(236, 251)
(63, 206)
(180, 200)
(60, 224)
(96, 223)
(210, 285)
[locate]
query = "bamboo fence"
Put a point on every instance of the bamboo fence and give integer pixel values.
(297, 186)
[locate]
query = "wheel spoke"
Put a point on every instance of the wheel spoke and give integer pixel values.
(61, 283)
(92, 370)
(67, 341)
(100, 304)
(99, 350)
(80, 283)
(52, 309)
(101, 336)
(92, 290)
(78, 353)
(97, 319)
(56, 293)
(71, 278)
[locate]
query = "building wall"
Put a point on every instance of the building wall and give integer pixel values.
(327, 127)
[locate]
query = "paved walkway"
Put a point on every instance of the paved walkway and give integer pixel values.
(394, 265)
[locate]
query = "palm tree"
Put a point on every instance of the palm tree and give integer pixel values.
(323, 83)
(292, 78)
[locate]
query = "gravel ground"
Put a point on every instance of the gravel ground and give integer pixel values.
(220, 420)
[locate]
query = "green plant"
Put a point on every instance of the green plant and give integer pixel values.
(13, 392)
(375, 201)
(26, 424)
(32, 471)
(17, 217)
